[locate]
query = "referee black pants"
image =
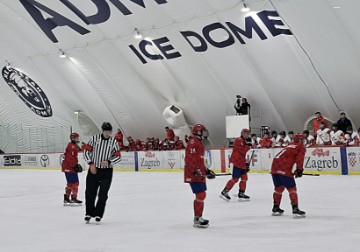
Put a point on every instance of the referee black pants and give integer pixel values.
(101, 181)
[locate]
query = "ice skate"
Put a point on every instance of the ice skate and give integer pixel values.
(199, 222)
(97, 220)
(277, 211)
(67, 201)
(87, 219)
(242, 196)
(298, 214)
(225, 195)
(76, 202)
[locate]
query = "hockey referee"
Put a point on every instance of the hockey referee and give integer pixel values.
(101, 152)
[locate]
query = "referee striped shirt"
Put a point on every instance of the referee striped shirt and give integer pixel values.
(100, 149)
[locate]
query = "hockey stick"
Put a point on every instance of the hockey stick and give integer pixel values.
(311, 174)
(222, 174)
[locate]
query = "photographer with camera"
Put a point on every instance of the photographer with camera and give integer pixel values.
(242, 107)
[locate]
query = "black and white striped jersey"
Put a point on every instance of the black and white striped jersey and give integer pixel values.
(99, 149)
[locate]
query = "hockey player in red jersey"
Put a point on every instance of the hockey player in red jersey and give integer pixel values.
(68, 167)
(240, 166)
(195, 172)
(283, 177)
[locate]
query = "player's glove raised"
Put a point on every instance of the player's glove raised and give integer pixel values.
(247, 167)
(298, 173)
(210, 174)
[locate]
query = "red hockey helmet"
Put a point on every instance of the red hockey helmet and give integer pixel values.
(245, 133)
(298, 137)
(200, 131)
(74, 135)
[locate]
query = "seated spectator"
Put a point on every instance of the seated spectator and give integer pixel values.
(266, 142)
(323, 135)
(255, 141)
(279, 142)
(337, 136)
(316, 123)
(309, 139)
(289, 138)
(179, 145)
(352, 138)
(169, 134)
(343, 123)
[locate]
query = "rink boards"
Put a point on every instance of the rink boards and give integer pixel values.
(330, 160)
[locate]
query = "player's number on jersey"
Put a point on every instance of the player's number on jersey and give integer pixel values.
(192, 150)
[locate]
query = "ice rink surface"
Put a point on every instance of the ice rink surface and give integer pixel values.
(153, 212)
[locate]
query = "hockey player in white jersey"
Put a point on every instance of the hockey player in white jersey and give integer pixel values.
(279, 141)
(337, 136)
(289, 138)
(255, 141)
(309, 140)
(323, 135)
(352, 138)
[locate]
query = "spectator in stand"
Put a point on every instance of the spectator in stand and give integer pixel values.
(323, 135)
(169, 134)
(289, 138)
(309, 140)
(352, 137)
(343, 123)
(119, 138)
(179, 145)
(255, 141)
(316, 123)
(337, 136)
(266, 142)
(280, 139)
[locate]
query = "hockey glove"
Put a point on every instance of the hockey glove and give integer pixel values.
(298, 173)
(78, 168)
(247, 167)
(210, 174)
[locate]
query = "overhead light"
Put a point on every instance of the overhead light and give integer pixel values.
(76, 112)
(137, 34)
(245, 8)
(336, 7)
(62, 54)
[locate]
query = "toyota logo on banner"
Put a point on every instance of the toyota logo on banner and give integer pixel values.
(44, 160)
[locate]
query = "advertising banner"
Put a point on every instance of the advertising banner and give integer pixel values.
(323, 159)
(353, 159)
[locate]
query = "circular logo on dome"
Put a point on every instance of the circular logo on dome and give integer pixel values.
(28, 91)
